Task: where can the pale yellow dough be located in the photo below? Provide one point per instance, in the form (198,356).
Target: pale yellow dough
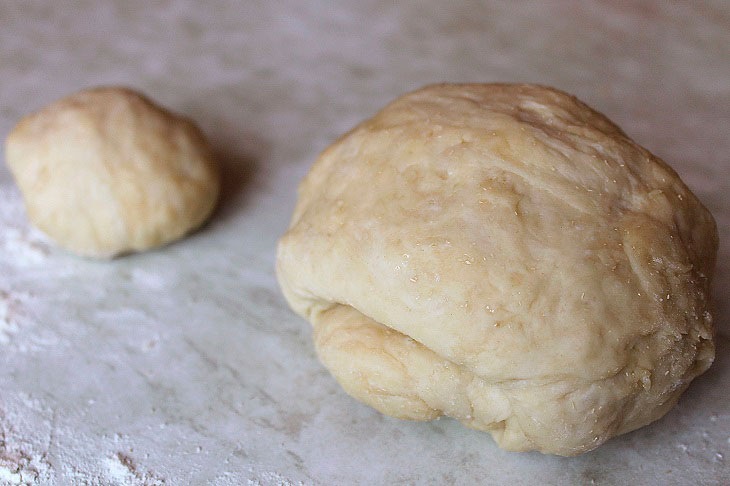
(504,255)
(106,171)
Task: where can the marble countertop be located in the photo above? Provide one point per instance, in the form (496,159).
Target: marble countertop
(184,365)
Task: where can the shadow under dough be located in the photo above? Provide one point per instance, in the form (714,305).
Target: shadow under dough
(237,173)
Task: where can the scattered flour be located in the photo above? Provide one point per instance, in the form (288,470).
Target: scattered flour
(20,462)
(25,247)
(8,326)
(14,318)
(22,243)
(117,469)
(121,470)
(27,456)
(270,478)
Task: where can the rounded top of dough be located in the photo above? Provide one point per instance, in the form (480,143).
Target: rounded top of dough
(106,171)
(521,237)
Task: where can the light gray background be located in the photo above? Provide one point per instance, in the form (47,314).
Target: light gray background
(184,365)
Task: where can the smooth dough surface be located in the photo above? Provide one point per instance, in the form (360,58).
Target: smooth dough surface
(106,171)
(507,256)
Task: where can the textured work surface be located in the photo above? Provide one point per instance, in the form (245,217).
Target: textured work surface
(184,365)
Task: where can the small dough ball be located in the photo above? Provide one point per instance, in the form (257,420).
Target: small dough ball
(507,256)
(106,171)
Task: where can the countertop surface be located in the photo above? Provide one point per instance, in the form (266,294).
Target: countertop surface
(184,365)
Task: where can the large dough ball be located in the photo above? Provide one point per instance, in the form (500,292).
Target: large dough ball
(106,171)
(503,255)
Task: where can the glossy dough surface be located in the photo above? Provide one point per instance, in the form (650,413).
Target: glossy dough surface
(503,255)
(106,171)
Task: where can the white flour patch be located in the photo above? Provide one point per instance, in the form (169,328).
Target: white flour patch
(118,469)
(8,326)
(26,459)
(20,461)
(21,243)
(24,247)
(271,478)
(122,470)
(16,323)
(12,317)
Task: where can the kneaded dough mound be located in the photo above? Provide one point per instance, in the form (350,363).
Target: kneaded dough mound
(106,171)
(503,255)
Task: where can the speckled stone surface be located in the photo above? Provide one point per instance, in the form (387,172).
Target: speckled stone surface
(184,365)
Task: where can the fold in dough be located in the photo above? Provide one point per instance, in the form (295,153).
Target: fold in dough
(503,255)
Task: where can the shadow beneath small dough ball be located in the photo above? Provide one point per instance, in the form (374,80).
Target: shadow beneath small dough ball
(237,174)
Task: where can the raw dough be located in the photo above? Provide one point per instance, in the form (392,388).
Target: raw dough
(106,171)
(504,255)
